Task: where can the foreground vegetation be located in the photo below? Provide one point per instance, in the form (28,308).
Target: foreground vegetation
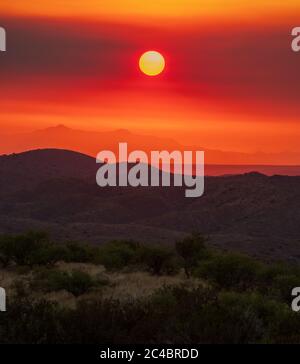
(233,298)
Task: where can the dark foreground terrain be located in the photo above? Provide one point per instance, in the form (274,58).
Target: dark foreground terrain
(127,292)
(55,191)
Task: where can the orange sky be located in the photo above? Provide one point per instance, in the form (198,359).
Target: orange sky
(137,10)
(231,82)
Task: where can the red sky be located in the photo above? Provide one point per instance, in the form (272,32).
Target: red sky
(231,82)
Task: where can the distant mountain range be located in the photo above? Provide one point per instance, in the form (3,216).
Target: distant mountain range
(55,190)
(91,143)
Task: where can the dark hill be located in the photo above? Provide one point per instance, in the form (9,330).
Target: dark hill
(28,169)
(55,190)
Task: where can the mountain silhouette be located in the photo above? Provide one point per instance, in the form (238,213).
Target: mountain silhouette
(91,143)
(56,191)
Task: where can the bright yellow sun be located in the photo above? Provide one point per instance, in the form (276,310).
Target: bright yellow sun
(152,63)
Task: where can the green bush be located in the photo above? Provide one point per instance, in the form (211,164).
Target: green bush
(243,300)
(33,248)
(230,271)
(159,260)
(116,255)
(76,282)
(80,253)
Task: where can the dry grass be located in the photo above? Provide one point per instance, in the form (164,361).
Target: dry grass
(141,284)
(9,276)
(121,285)
(92,269)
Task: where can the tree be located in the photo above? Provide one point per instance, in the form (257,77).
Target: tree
(191,250)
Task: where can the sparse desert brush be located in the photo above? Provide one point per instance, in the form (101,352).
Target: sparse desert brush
(76,282)
(80,253)
(33,248)
(230,271)
(118,255)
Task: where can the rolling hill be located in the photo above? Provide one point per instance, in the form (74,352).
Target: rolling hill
(56,191)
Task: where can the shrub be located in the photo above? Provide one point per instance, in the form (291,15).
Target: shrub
(159,260)
(29,249)
(230,271)
(118,254)
(76,282)
(32,322)
(33,248)
(79,283)
(79,253)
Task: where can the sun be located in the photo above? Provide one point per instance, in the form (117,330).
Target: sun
(152,63)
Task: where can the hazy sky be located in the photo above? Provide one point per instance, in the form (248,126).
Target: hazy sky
(231,82)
